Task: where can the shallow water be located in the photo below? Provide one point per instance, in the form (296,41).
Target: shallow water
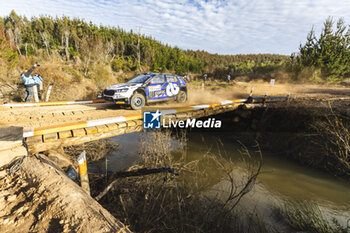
(279,176)
(126,154)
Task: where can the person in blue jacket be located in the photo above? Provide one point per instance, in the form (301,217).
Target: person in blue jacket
(29,82)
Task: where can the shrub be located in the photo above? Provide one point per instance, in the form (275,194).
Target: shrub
(102,76)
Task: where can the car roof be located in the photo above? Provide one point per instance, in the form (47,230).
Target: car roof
(152,73)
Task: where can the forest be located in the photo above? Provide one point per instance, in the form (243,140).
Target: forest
(77,41)
(98,53)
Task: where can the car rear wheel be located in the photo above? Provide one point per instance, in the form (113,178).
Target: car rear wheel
(181,97)
(137,101)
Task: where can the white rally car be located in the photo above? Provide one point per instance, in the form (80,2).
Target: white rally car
(147,88)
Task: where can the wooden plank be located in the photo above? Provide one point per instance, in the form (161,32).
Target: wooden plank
(130,123)
(102,128)
(39,147)
(60,128)
(133,129)
(78,132)
(50,137)
(121,124)
(184,109)
(65,134)
(34,139)
(198,113)
(112,126)
(135,116)
(139,122)
(91,130)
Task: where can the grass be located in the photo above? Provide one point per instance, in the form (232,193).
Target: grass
(306,216)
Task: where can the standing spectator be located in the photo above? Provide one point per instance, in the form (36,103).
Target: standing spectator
(228,78)
(29,82)
(205,77)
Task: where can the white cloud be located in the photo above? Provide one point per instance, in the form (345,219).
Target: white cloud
(218,26)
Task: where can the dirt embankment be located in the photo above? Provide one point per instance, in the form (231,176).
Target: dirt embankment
(41,198)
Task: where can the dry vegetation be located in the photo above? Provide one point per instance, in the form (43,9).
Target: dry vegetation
(334,138)
(305,216)
(95,150)
(69,82)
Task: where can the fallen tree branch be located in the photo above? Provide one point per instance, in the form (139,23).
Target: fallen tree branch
(138,172)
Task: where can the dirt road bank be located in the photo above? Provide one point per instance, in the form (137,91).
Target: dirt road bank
(41,198)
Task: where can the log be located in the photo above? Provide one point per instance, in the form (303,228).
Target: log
(138,172)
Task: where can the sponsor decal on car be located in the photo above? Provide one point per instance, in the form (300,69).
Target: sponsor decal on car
(154,87)
(172,89)
(159,93)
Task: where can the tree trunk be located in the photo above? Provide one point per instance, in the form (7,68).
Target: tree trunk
(46,40)
(26,48)
(139,53)
(66,34)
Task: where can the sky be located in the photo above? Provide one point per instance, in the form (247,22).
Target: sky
(217,26)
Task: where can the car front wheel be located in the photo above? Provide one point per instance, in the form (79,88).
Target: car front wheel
(137,101)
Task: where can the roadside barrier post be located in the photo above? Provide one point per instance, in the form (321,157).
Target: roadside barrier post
(251,92)
(35,90)
(250,97)
(265,98)
(84,178)
(41,93)
(48,93)
(288,96)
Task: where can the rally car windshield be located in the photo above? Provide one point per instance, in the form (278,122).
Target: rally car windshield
(139,79)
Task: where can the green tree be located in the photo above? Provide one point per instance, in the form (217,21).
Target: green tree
(330,52)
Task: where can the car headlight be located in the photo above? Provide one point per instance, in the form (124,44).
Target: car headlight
(121,90)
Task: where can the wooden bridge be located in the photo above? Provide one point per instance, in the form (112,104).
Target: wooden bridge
(49,137)
(54,136)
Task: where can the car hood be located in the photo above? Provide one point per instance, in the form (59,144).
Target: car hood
(123,85)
